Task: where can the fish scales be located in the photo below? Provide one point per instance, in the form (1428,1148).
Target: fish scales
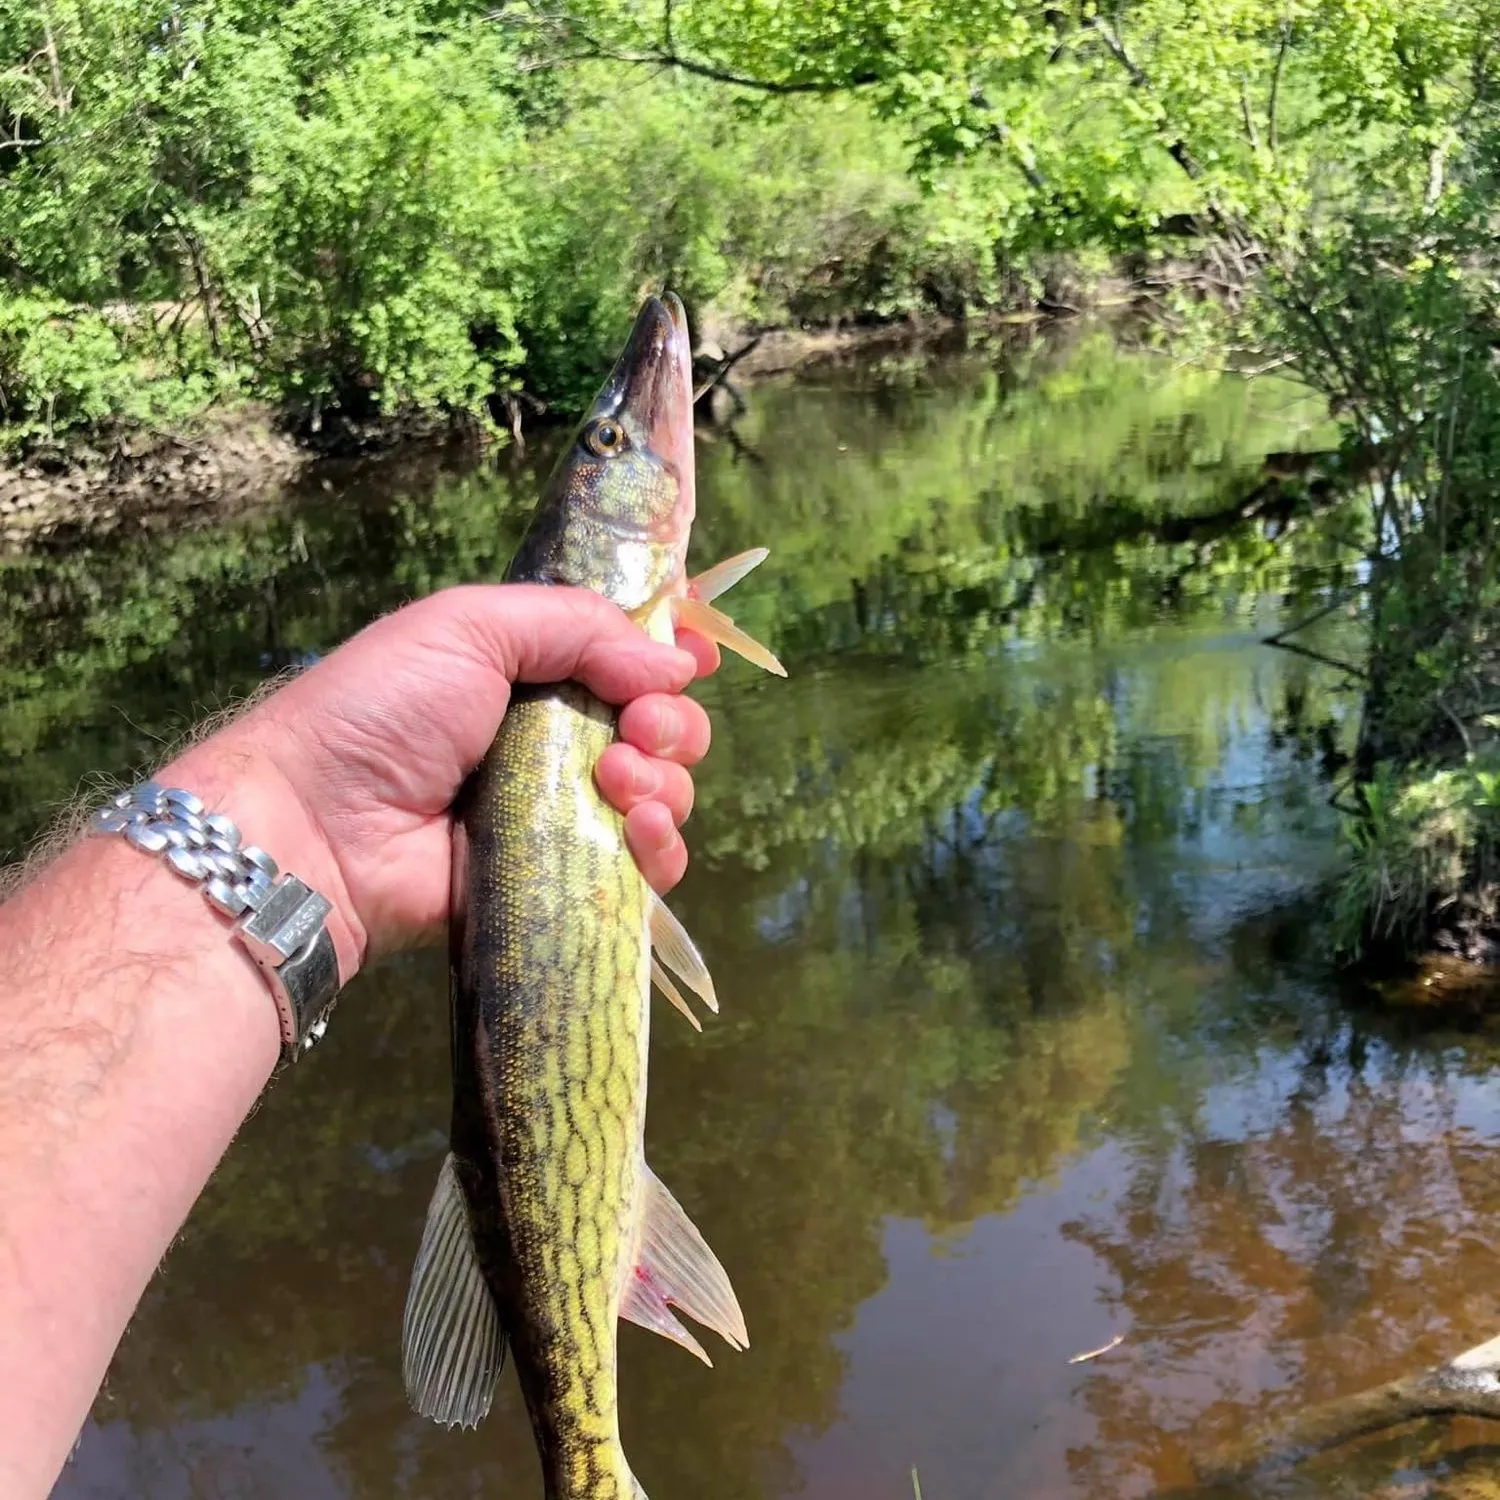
(547,1226)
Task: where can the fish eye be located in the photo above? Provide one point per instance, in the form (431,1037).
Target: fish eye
(604,437)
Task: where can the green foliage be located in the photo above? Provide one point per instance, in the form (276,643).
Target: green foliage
(66,367)
(1393,316)
(1424,850)
(59,366)
(376,249)
(398,206)
(1103,122)
(422,203)
(806,212)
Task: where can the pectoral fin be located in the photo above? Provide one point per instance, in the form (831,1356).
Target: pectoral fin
(714,625)
(675,1268)
(452,1345)
(679,953)
(723,576)
(693,611)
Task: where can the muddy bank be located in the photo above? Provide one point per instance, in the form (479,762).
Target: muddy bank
(227,461)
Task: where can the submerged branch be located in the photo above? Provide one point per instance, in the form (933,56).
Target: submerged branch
(1468,1385)
(1277,637)
(1272,500)
(1320,657)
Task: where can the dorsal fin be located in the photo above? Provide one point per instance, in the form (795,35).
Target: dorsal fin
(675,1268)
(452,1346)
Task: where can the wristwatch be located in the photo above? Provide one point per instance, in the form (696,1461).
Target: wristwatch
(280,920)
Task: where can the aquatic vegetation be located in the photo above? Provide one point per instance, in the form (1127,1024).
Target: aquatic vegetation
(1423,859)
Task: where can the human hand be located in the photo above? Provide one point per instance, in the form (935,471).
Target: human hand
(347,773)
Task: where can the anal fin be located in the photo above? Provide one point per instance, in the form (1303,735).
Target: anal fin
(452,1345)
(675,1268)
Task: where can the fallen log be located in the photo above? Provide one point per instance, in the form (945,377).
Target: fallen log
(1467,1385)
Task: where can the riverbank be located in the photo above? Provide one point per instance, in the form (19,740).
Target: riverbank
(211,469)
(227,458)
(242,456)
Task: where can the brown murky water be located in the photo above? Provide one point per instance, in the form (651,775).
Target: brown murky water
(1011,897)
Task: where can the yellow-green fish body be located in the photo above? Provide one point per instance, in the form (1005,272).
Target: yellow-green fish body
(554,1021)
(547,1226)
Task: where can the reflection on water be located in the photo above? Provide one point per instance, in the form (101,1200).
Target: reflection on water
(1023,1041)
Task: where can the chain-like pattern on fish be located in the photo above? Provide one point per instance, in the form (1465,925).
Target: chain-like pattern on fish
(561,960)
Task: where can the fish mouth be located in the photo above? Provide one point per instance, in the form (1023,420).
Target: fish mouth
(652,390)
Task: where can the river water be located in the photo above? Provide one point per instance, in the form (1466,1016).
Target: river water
(1011,894)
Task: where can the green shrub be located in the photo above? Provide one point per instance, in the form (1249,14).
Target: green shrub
(60,367)
(805,211)
(373,258)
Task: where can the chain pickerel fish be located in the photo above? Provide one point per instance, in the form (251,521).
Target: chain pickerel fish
(547,1226)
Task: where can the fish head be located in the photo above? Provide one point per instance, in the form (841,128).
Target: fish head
(618,508)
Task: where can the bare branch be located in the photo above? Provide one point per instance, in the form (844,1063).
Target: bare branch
(719,374)
(1251,134)
(742,80)
(1357,673)
(1273,103)
(1436,161)
(1463,734)
(1002,135)
(62,99)
(1281,635)
(1176,148)
(587,49)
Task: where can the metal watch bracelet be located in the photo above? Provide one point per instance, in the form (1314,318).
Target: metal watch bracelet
(281,921)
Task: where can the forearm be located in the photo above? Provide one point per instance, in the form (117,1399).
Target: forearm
(135,1036)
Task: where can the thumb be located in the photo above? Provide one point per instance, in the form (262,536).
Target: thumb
(529,632)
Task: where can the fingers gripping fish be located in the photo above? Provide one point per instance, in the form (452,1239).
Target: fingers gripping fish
(547,1226)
